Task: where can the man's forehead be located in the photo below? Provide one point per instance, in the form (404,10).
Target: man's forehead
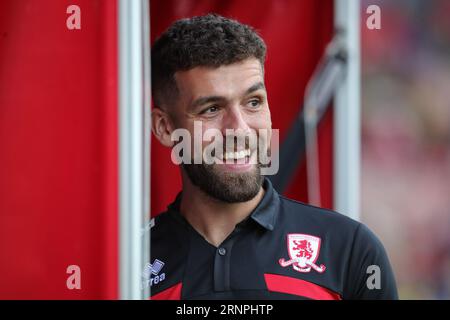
(225,80)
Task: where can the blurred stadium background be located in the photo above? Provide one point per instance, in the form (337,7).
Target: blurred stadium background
(405,101)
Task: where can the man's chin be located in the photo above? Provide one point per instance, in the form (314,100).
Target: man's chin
(225,184)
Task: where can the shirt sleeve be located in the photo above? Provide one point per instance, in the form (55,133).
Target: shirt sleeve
(370,275)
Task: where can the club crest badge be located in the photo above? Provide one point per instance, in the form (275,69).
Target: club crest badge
(303,251)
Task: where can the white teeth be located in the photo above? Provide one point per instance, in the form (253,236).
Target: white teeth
(236,155)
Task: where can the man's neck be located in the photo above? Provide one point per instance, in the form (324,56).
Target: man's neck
(214,219)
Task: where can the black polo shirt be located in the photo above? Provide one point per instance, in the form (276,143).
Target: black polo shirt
(284,250)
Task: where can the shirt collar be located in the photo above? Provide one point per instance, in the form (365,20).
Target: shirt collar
(265,213)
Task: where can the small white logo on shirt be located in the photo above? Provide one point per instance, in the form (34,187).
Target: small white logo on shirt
(153,269)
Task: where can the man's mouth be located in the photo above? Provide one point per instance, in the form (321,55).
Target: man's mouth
(238,161)
(238,156)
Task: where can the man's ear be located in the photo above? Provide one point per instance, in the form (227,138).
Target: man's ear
(162,126)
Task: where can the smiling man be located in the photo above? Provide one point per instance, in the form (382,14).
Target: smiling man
(229,234)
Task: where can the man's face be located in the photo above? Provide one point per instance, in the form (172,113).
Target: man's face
(228,97)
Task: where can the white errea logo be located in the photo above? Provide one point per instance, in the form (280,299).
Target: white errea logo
(153,269)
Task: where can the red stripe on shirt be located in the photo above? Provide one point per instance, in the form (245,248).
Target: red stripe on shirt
(172,293)
(298,287)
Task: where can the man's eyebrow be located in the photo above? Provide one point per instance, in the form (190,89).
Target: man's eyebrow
(256,86)
(208,99)
(204,100)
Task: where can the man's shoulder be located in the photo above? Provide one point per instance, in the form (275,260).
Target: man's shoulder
(298,212)
(168,235)
(161,222)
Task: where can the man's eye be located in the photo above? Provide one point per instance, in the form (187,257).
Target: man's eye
(254,103)
(211,109)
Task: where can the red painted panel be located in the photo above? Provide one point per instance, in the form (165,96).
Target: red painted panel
(58,149)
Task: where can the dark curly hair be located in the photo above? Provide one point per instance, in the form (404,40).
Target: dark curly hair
(209,40)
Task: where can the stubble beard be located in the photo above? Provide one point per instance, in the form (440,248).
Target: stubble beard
(225,186)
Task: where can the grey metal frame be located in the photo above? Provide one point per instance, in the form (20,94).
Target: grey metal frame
(134,146)
(347,113)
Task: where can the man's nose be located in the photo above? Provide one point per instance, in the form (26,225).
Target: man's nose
(235,120)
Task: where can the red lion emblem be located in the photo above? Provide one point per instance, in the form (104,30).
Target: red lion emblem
(304,249)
